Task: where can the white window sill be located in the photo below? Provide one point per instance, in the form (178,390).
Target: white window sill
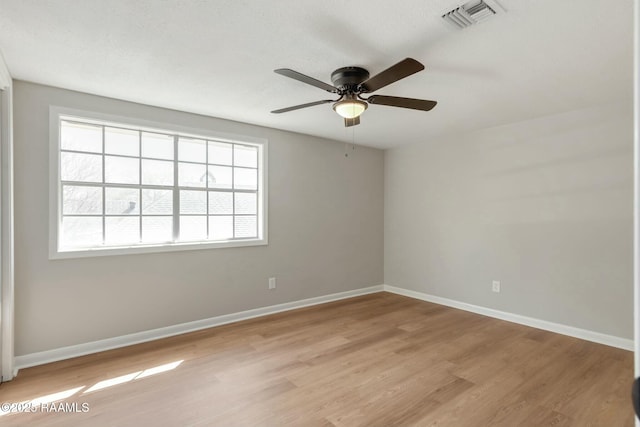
(144,249)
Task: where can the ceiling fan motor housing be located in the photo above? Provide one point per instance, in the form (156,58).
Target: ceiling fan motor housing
(348,78)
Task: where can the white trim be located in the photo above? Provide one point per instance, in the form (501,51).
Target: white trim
(145,249)
(5,76)
(56,112)
(558,328)
(7,371)
(48,356)
(636,189)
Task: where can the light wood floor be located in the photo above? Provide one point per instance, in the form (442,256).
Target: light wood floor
(376,360)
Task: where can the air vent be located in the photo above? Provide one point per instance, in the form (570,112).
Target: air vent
(470,14)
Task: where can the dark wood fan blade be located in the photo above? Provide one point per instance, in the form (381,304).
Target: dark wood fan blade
(306,79)
(351,122)
(402,69)
(297,107)
(395,101)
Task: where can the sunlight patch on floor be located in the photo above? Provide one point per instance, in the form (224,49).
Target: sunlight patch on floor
(133,376)
(49,398)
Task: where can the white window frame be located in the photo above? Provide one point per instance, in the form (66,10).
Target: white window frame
(57,113)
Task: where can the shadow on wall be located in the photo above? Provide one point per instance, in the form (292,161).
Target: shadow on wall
(567,168)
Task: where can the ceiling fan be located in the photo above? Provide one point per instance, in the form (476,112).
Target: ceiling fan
(351,82)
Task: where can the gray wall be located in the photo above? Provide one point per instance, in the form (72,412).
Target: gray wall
(545,206)
(325,236)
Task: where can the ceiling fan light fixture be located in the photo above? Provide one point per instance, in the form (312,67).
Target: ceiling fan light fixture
(350,108)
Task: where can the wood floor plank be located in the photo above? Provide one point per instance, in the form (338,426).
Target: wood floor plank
(374,360)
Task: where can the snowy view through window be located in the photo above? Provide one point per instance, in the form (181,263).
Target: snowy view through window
(121,186)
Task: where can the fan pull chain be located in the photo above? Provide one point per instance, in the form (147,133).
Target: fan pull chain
(353,142)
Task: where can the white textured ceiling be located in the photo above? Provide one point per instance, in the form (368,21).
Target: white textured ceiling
(217,58)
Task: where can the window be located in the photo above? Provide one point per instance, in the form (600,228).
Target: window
(122,186)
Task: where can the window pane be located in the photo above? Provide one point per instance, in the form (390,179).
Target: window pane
(122,230)
(81,200)
(157,146)
(219,177)
(220,153)
(81,231)
(157,202)
(193,228)
(190,175)
(220,203)
(80,137)
(245,179)
(220,227)
(121,170)
(193,202)
(121,186)
(245,156)
(80,167)
(246,203)
(192,150)
(246,226)
(157,172)
(121,141)
(157,229)
(122,201)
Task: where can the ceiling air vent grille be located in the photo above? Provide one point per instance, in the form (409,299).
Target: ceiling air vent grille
(469,14)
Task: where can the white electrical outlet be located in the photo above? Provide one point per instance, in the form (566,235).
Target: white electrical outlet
(272,282)
(495,286)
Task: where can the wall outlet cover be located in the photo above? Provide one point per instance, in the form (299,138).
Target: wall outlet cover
(495,286)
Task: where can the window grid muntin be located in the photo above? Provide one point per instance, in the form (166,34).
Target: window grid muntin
(176,188)
(175,215)
(104,179)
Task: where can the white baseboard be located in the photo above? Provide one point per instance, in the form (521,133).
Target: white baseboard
(571,331)
(48,356)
